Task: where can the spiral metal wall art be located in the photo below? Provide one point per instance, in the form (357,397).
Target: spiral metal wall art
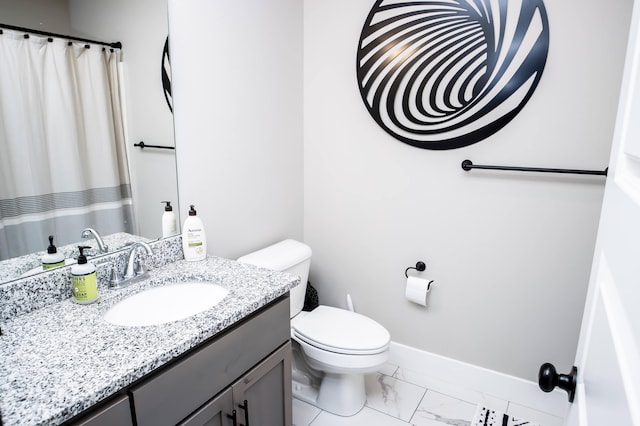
(444,74)
(166,75)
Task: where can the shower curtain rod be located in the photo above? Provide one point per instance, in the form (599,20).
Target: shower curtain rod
(116,45)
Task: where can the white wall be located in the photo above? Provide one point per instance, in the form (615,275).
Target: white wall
(43,15)
(141,26)
(237,75)
(510,253)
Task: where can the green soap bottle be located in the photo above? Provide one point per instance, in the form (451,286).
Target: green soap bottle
(84,280)
(52,259)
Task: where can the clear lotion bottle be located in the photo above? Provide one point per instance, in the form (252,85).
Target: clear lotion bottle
(84,281)
(194,240)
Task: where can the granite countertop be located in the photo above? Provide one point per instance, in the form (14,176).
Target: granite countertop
(61,359)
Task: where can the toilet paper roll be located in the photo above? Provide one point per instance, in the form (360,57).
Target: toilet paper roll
(417,290)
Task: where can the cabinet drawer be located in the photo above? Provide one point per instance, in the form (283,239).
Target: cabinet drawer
(116,412)
(173,394)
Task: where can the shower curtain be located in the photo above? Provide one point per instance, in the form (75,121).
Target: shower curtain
(63,164)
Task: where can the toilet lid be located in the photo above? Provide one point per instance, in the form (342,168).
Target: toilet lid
(341,331)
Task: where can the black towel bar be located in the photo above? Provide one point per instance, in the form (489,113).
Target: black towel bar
(143,145)
(468,165)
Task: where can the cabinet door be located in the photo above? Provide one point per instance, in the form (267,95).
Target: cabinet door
(263,396)
(217,412)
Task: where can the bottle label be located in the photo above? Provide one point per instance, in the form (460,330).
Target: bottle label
(85,287)
(46,266)
(194,240)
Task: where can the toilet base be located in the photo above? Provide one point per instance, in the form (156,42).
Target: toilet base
(340,394)
(344,394)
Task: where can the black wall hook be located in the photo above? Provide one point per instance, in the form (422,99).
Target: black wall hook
(420,266)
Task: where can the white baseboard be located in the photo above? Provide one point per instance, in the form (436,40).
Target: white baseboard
(495,384)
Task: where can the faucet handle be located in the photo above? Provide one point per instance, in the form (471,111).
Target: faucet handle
(139,268)
(115,281)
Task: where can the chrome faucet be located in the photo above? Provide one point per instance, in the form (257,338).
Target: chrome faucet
(88,232)
(134,268)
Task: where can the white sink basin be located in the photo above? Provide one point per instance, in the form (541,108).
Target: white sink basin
(164,304)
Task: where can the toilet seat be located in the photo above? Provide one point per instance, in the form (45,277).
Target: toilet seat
(340,331)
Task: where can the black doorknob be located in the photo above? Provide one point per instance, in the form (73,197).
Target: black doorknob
(548,379)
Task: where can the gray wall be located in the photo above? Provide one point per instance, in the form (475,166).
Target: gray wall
(237,75)
(510,253)
(43,15)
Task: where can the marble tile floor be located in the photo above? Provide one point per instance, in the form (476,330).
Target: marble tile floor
(398,397)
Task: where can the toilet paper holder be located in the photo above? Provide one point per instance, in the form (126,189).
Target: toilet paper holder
(417,289)
(420,266)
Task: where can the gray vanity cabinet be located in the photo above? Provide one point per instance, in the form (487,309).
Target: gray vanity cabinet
(262,397)
(251,360)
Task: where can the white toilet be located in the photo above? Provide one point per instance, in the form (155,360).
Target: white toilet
(332,348)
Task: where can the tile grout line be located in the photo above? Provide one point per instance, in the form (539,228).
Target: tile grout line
(316,417)
(424,394)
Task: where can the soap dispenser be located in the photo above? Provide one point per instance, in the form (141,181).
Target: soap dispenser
(52,259)
(84,281)
(194,240)
(168,221)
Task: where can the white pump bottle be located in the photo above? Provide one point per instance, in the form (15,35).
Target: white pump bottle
(194,240)
(169,223)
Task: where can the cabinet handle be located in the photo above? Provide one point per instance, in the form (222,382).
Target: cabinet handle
(245,407)
(233,417)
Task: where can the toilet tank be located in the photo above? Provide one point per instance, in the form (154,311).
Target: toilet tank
(289,256)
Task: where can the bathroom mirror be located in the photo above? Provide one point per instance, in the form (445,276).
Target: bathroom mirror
(141,26)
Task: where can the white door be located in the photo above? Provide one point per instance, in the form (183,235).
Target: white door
(608,359)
